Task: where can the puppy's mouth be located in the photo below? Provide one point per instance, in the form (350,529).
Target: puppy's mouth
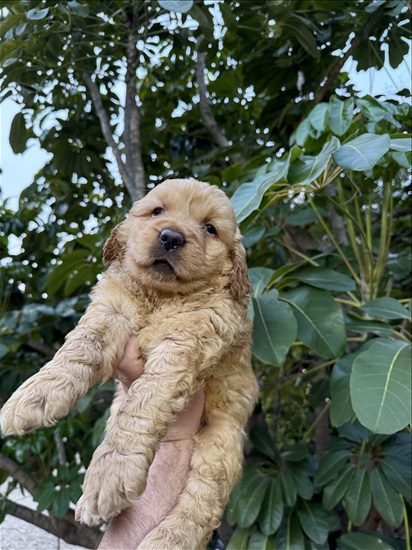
(163,266)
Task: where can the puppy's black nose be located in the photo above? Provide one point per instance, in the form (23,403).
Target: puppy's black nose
(170,239)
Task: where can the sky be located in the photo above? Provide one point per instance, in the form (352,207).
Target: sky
(18,170)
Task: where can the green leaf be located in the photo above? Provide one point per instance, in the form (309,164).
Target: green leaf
(314,521)
(262,441)
(18,134)
(325,278)
(336,489)
(361,541)
(290,536)
(369,327)
(319,116)
(252,493)
(380,386)
(386,308)
(259,541)
(253,235)
(341,409)
(304,36)
(304,216)
(387,501)
(404,145)
(358,497)
(288,487)
(239,539)
(35,14)
(307,168)
(300,472)
(247,197)
(331,466)
(363,152)
(341,113)
(10,21)
(82,10)
(259,278)
(181,6)
(397,475)
(274,330)
(320,320)
(271,513)
(61,501)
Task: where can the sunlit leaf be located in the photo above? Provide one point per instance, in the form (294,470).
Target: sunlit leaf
(380,386)
(363,152)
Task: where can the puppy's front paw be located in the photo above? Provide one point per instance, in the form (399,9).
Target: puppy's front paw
(40,401)
(113,482)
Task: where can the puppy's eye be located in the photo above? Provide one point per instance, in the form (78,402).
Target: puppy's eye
(210,229)
(157,211)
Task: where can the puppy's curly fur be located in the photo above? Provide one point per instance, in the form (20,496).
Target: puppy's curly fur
(177,280)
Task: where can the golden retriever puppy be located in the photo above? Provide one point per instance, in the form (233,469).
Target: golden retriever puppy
(178,281)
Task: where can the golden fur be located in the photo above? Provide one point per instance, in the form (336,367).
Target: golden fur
(188,308)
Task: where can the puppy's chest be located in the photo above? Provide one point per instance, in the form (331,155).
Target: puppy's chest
(155,322)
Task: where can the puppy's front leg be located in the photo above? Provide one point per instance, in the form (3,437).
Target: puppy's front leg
(118,472)
(88,356)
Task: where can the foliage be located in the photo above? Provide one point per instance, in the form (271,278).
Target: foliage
(320,181)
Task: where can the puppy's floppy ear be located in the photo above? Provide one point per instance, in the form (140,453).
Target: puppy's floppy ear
(239,278)
(115,245)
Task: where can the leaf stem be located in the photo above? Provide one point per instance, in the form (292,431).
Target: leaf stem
(306,435)
(309,371)
(338,248)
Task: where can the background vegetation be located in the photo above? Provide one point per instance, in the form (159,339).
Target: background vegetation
(250,97)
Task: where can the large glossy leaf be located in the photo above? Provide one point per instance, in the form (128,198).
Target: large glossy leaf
(386,308)
(290,536)
(366,326)
(320,320)
(181,6)
(247,197)
(271,513)
(18,134)
(307,168)
(260,277)
(358,497)
(319,116)
(363,152)
(239,539)
(314,521)
(341,409)
(325,278)
(387,501)
(330,466)
(336,489)
(404,145)
(260,437)
(288,486)
(259,541)
(274,329)
(253,489)
(380,386)
(362,541)
(398,476)
(341,113)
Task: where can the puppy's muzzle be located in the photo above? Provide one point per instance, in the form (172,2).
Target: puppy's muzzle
(170,239)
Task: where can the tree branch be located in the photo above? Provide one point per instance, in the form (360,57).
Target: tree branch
(16,471)
(106,130)
(132,141)
(334,72)
(207,115)
(69,532)
(41,347)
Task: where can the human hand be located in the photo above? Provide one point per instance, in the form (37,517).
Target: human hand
(131,367)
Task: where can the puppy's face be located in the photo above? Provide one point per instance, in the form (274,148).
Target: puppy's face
(180,237)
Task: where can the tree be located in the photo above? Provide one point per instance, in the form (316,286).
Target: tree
(250,98)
